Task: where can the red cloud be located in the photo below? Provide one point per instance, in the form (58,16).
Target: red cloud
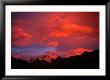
(59,34)
(18,33)
(20,37)
(69,29)
(52,44)
(56,28)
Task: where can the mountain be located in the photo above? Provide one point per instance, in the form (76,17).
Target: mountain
(80,51)
(87,60)
(53,54)
(48,56)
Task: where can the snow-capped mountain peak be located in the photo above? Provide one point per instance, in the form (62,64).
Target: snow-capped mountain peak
(48,56)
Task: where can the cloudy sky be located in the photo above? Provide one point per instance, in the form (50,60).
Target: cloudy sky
(37,32)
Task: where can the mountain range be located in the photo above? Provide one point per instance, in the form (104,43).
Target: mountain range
(53,54)
(48,56)
(80,58)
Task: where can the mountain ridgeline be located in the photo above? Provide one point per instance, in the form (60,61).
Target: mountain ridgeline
(85,60)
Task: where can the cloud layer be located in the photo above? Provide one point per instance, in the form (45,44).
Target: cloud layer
(61,30)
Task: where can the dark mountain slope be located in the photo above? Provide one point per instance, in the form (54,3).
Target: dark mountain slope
(88,60)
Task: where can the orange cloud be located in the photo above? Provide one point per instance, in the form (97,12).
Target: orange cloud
(76,28)
(69,29)
(59,34)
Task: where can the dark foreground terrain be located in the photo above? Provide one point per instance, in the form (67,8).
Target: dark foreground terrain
(88,60)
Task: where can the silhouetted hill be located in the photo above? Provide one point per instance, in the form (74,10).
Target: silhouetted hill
(18,63)
(88,60)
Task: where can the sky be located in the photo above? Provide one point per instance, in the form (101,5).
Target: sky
(34,33)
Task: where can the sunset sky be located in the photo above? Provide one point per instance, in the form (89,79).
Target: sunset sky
(34,33)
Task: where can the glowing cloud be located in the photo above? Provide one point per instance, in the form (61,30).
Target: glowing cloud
(52,44)
(59,30)
(20,37)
